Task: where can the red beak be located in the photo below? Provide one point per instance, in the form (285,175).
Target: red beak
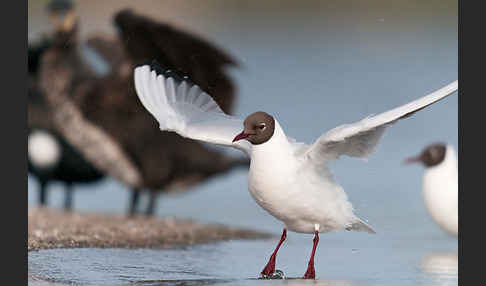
(240,136)
(412,160)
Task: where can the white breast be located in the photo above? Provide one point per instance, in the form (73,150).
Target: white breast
(440,190)
(272,172)
(292,191)
(43,149)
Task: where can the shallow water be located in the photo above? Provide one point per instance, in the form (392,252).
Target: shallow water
(239,262)
(313,67)
(408,249)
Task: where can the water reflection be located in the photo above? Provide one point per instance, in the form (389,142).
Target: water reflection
(443,266)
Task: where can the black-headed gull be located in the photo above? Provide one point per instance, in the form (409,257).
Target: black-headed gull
(440,184)
(288,179)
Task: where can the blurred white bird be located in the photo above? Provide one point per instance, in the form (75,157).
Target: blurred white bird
(440,188)
(288,179)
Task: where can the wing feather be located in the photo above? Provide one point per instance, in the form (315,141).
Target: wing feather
(360,139)
(184,108)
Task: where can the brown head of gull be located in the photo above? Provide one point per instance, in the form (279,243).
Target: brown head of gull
(431,156)
(258,128)
(440,184)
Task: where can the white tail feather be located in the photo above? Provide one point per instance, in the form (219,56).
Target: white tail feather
(361,226)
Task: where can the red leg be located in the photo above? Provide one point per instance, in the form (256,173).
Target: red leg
(270,268)
(311,272)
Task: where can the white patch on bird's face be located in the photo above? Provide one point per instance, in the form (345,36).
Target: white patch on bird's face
(43,149)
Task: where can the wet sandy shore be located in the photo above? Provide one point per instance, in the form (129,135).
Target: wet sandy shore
(49,228)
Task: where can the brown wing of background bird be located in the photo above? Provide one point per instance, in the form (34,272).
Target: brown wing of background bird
(112,104)
(188,54)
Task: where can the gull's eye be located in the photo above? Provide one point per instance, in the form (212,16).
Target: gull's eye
(262,126)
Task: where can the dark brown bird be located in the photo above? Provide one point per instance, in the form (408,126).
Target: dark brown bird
(50,156)
(102,117)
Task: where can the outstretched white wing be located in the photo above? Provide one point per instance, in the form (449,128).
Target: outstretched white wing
(182,107)
(359,139)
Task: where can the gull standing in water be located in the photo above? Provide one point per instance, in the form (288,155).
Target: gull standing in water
(440,184)
(289,179)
